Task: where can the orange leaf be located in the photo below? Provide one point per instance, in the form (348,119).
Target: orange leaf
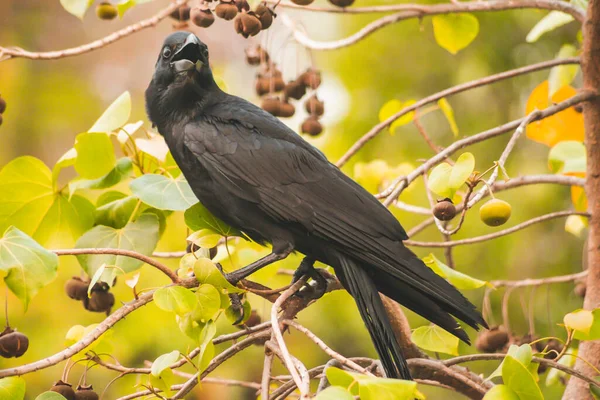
(566,125)
(578,198)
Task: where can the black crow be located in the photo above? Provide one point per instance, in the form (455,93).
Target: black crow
(259,176)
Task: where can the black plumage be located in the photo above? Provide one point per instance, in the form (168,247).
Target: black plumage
(256,174)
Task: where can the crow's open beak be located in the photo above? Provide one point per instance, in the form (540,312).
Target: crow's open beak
(187,57)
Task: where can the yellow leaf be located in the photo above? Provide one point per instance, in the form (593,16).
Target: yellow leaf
(449,114)
(576,224)
(377,174)
(565,125)
(578,198)
(580,320)
(454,32)
(391,108)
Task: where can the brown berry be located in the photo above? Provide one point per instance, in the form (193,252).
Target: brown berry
(278,83)
(86,393)
(76,288)
(2,105)
(271,105)
(100,301)
(106,11)
(314,106)
(580,289)
(444,210)
(226,10)
(13,343)
(181,14)
(263,85)
(266,15)
(311,78)
(311,126)
(247,24)
(341,3)
(256,54)
(294,90)
(64,389)
(242,5)
(253,320)
(493,340)
(286,110)
(202,16)
(302,2)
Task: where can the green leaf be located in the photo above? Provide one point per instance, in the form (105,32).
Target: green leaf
(49,396)
(209,303)
(454,32)
(334,393)
(563,75)
(117,212)
(207,273)
(140,235)
(339,377)
(579,320)
(95,155)
(164,361)
(207,348)
(550,22)
(393,107)
(115,116)
(522,353)
(501,392)
(163,193)
(567,157)
(446,108)
(28,266)
(593,333)
(175,299)
(205,238)
(100,345)
(233,313)
(373,388)
(444,180)
(434,338)
(155,147)
(197,217)
(76,7)
(66,160)
(576,224)
(28,201)
(163,381)
(456,278)
(124,5)
(518,378)
(462,170)
(121,171)
(567,360)
(12,388)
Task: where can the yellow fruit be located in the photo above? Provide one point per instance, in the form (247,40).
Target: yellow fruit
(495,212)
(106,10)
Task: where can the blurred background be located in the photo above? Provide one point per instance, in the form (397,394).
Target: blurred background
(50,102)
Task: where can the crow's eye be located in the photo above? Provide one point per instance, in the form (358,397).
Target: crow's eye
(166,52)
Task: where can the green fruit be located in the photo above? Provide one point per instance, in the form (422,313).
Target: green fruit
(106,11)
(495,212)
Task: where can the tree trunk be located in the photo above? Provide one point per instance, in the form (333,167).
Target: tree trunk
(590,64)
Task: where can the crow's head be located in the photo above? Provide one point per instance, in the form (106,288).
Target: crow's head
(182,79)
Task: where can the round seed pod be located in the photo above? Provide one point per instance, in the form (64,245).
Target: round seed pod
(86,393)
(495,212)
(242,5)
(2,105)
(76,288)
(13,343)
(64,389)
(106,11)
(271,105)
(294,90)
(265,15)
(262,86)
(311,126)
(314,106)
(302,2)
(286,109)
(181,14)
(253,320)
(444,210)
(278,83)
(100,301)
(493,340)
(311,78)
(247,24)
(256,54)
(202,16)
(581,289)
(226,10)
(341,3)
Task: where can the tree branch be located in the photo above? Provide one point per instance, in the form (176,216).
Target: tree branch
(540,281)
(448,92)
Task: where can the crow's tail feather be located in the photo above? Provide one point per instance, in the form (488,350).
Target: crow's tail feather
(360,285)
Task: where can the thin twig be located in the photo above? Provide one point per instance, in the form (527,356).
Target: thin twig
(540,281)
(265,382)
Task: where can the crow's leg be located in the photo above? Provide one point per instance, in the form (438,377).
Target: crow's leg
(236,276)
(307,267)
